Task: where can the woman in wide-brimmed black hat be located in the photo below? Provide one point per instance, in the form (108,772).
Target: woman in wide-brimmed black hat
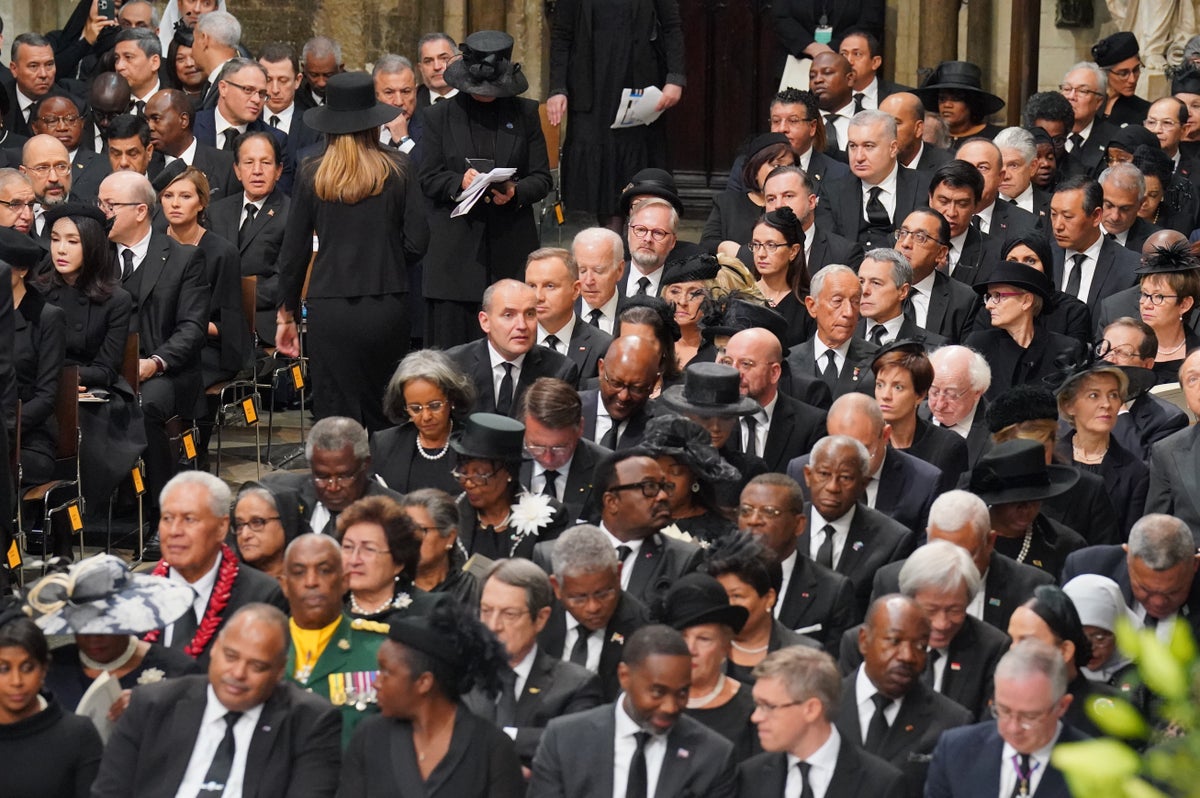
(955,91)
(363,204)
(1017,349)
(497,517)
(684,449)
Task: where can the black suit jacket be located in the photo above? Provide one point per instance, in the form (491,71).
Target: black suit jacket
(587,345)
(1010,221)
(250,586)
(577,497)
(554,688)
(967,761)
(979,437)
(931,158)
(941,448)
(1125,303)
(874,540)
(635,425)
(1111,561)
(795,429)
(301,482)
(819,603)
(909,331)
(845,196)
(88,169)
(912,735)
(1114,272)
(576,759)
(857,773)
(1175,479)
(1148,421)
(1088,159)
(259,249)
(205,131)
(539,361)
(979,254)
(856,372)
(829,247)
(295,750)
(629,616)
(660,561)
(951,308)
(217,166)
(1138,233)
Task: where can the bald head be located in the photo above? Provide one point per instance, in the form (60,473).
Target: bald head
(757,355)
(909,113)
(857,416)
(631,364)
(1161,239)
(108,96)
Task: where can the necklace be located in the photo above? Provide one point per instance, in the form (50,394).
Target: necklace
(746,650)
(116,664)
(1083,454)
(774,297)
(421,450)
(1162,350)
(397,602)
(1025,544)
(495,527)
(705,700)
(212,620)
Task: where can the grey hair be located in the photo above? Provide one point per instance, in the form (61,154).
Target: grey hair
(1125,176)
(222,27)
(658,202)
(954,507)
(872,117)
(334,433)
(1019,139)
(8,176)
(1094,68)
(258,492)
(391,64)
(220,497)
(436,36)
(321,47)
(583,549)
(146,40)
(442,509)
(805,673)
(236,65)
(1161,541)
(902,272)
(522,573)
(939,565)
(818,280)
(1032,657)
(979,372)
(602,235)
(435,366)
(829,442)
(154,17)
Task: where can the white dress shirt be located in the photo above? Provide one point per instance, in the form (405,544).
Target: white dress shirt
(956,249)
(563,334)
(963,427)
(435,98)
(1092,254)
(212,732)
(841,530)
(788,564)
(221,124)
(498,361)
(975,608)
(608,313)
(763,418)
(1039,760)
(595,643)
(202,589)
(842,123)
(187,156)
(939,667)
(624,747)
(822,764)
(887,196)
(635,547)
(1024,199)
(284,116)
(1085,134)
(872,490)
(919,296)
(985,218)
(839,354)
(145,98)
(256,203)
(635,274)
(864,690)
(891,328)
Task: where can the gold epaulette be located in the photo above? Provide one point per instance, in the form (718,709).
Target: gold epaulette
(363,625)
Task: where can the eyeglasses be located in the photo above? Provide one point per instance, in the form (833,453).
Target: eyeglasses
(477,479)
(427,530)
(764,707)
(996,297)
(19,205)
(336,480)
(1106,351)
(1165,124)
(366,550)
(1100,638)
(109,207)
(948,394)
(257,524)
(636,391)
(581,599)
(55,121)
(1125,74)
(920,236)
(649,487)
(41,170)
(1084,90)
(748,510)
(641,231)
(1026,720)
(435,406)
(1156,299)
(249,91)
(557,450)
(507,616)
(768,246)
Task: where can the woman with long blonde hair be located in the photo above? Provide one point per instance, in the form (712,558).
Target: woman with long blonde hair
(357,216)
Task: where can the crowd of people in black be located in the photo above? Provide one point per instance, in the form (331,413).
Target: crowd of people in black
(849,497)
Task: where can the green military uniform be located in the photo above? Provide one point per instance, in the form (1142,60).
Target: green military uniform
(345,671)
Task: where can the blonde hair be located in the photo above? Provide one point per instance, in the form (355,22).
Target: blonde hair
(1042,430)
(198,180)
(353,168)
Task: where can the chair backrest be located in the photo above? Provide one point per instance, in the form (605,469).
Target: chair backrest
(129,362)
(553,135)
(66,412)
(249,300)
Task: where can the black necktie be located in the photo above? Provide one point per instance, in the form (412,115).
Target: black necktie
(506,703)
(858,101)
(878,727)
(594,318)
(551,342)
(505,400)
(806,790)
(876,335)
(623,553)
(877,215)
(141,108)
(929,676)
(231,135)
(977,222)
(274,120)
(1012,201)
(251,211)
(1111,236)
(1076,141)
(637,785)
(222,761)
(829,374)
(1075,275)
(1024,776)
(751,447)
(579,651)
(643,286)
(126,263)
(831,138)
(395,143)
(184,629)
(609,441)
(825,553)
(549,488)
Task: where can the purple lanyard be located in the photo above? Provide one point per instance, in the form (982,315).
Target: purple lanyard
(1024,777)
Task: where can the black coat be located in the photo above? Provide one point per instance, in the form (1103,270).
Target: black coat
(951,308)
(468,253)
(1112,561)
(587,345)
(39,343)
(95,333)
(1012,365)
(856,773)
(874,541)
(941,448)
(732,218)
(795,429)
(819,603)
(393,453)
(1126,480)
(829,247)
(1148,421)
(259,249)
(629,616)
(474,361)
(1174,479)
(979,437)
(233,346)
(1088,159)
(967,763)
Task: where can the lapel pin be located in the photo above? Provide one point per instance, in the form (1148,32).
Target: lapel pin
(271,212)
(995,602)
(266,728)
(617,638)
(858,545)
(908,728)
(344,644)
(508,125)
(803,595)
(683,753)
(955,666)
(534,690)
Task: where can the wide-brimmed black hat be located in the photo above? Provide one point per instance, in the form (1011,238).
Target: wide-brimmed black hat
(738,315)
(19,250)
(690,444)
(906,345)
(1067,380)
(350,106)
(85,209)
(1114,49)
(700,266)
(1010,272)
(958,76)
(490,436)
(1131,137)
(709,389)
(654,182)
(1016,471)
(1169,260)
(486,68)
(1186,80)
(696,599)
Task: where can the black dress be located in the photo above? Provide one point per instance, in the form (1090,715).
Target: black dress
(39,331)
(731,720)
(67,682)
(800,325)
(53,754)
(732,218)
(394,457)
(1049,544)
(1167,371)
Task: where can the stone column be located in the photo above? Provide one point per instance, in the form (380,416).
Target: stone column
(938,32)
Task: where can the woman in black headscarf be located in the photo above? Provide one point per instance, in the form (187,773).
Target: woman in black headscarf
(265,520)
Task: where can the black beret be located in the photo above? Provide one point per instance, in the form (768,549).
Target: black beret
(1021,403)
(1114,49)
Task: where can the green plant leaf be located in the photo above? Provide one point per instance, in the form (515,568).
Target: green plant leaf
(1096,768)
(1161,671)
(1140,788)
(1116,716)
(1183,643)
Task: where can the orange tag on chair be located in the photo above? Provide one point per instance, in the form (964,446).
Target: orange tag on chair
(189,446)
(139,487)
(249,410)
(75,516)
(297,377)
(14,556)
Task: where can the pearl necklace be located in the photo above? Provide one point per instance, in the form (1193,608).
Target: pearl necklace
(696,703)
(1025,544)
(746,650)
(421,451)
(392,603)
(116,664)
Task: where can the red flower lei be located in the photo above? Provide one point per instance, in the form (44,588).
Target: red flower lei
(217,603)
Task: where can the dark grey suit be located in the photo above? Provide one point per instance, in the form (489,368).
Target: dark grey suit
(845,207)
(1175,479)
(856,773)
(473,358)
(1111,561)
(634,427)
(829,247)
(629,616)
(587,345)
(88,169)
(855,374)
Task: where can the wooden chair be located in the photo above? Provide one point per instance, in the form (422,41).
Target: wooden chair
(239,399)
(551,204)
(129,370)
(64,492)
